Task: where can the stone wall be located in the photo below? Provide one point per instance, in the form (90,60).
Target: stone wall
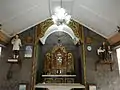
(103,77)
(20,75)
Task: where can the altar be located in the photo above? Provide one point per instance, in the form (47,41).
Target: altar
(59,78)
(59,86)
(59,66)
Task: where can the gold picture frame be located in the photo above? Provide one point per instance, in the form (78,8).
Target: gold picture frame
(28,51)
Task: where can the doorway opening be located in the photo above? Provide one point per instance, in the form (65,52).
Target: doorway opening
(118,57)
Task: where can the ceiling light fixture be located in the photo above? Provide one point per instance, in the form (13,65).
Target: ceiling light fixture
(61,17)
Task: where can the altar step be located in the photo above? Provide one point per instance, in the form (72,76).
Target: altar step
(60,86)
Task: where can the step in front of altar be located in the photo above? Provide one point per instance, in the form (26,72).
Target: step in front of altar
(59,86)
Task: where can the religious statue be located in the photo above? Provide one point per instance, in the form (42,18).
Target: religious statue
(47,64)
(100,53)
(104,52)
(16,41)
(104,48)
(70,67)
(109,53)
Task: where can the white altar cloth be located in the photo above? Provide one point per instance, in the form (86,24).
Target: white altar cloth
(58,75)
(59,86)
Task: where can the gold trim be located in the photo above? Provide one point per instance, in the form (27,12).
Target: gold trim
(33,73)
(75,26)
(84,57)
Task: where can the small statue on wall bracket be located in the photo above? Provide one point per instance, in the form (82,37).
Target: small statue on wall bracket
(16,41)
(105,56)
(104,52)
(109,53)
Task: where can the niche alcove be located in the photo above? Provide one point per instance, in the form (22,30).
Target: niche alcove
(59,58)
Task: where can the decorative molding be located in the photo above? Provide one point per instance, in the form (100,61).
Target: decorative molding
(44,26)
(75,26)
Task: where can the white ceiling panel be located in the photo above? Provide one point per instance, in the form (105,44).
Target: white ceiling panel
(26,20)
(102,16)
(24,17)
(53,4)
(68,5)
(94,21)
(12,8)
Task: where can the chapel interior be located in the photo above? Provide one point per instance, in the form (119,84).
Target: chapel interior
(61,45)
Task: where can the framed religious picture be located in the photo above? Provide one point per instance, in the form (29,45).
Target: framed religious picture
(23,86)
(28,51)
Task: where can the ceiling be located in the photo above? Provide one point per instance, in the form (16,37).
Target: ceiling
(101,16)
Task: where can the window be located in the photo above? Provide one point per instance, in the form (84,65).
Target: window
(118,57)
(0,50)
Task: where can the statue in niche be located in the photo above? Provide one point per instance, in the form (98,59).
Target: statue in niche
(59,58)
(47,68)
(59,62)
(70,67)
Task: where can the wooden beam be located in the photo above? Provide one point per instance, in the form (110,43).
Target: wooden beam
(114,39)
(4,37)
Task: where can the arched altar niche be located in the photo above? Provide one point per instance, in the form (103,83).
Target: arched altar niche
(74,29)
(62,28)
(46,74)
(59,61)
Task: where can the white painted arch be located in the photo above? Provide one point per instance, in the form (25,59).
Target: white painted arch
(55,28)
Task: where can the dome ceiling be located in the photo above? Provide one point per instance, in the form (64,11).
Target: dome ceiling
(101,16)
